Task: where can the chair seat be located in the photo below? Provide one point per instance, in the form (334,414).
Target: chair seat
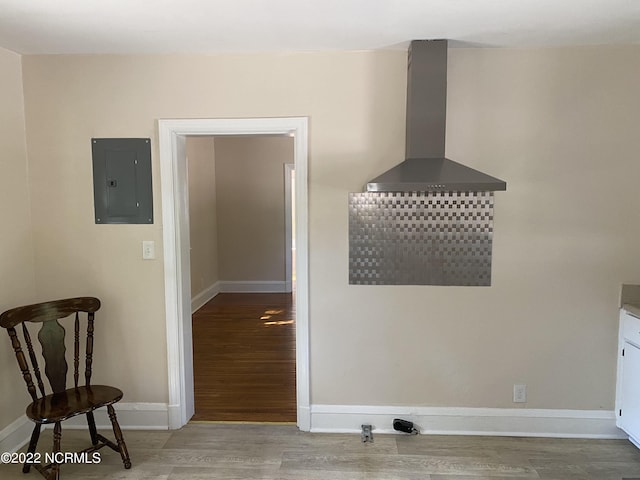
(73,401)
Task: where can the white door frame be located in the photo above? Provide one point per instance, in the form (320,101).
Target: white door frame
(288,237)
(175,219)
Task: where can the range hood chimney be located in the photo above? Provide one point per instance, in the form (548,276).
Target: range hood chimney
(426,169)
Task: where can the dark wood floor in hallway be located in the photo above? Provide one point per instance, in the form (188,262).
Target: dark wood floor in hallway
(244,358)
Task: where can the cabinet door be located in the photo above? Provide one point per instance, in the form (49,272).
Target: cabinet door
(630,420)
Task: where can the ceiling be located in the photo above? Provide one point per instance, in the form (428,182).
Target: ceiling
(214,26)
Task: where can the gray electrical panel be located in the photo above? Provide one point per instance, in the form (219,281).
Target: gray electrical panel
(122,189)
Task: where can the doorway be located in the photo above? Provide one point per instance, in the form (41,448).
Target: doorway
(241,250)
(172,135)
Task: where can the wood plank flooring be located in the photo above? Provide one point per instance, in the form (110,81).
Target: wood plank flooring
(244,358)
(277,452)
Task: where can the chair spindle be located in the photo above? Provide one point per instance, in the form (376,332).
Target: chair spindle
(89,350)
(76,351)
(22,363)
(34,359)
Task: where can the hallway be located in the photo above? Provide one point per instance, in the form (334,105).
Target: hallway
(244,358)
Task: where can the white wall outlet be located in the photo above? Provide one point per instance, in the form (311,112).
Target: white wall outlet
(148,249)
(519,393)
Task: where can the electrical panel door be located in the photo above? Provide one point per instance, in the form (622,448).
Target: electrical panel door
(122,180)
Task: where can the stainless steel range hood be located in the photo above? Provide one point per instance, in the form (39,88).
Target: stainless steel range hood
(426,169)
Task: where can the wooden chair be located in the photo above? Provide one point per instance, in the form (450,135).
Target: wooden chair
(63,402)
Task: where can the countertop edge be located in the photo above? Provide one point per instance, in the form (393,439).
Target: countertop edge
(632,309)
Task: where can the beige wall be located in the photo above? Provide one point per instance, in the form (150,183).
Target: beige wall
(73,255)
(560,126)
(251,216)
(69,99)
(203,213)
(17,283)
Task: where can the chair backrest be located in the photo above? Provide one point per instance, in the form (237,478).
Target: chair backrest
(51,337)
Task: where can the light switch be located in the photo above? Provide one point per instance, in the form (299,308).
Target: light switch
(148,249)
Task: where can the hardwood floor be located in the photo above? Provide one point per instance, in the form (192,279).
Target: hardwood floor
(244,358)
(277,452)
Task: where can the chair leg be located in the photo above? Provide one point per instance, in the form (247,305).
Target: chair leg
(92,429)
(32,446)
(124,453)
(54,474)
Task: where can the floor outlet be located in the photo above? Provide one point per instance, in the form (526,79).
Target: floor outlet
(519,393)
(367,433)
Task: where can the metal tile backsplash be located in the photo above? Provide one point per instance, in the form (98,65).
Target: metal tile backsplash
(416,238)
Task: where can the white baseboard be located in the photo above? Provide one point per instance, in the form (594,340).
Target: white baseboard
(469,421)
(131,416)
(16,434)
(204,296)
(227,286)
(258,286)
(350,418)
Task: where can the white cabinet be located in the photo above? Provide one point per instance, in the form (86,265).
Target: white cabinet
(628,379)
